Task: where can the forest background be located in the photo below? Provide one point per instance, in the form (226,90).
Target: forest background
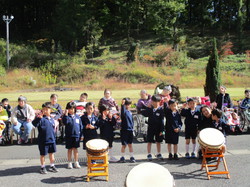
(133,44)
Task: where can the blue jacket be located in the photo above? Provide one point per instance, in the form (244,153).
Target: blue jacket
(127,119)
(155,118)
(106,127)
(222,126)
(172,122)
(73,126)
(89,133)
(245,104)
(45,129)
(56,111)
(191,121)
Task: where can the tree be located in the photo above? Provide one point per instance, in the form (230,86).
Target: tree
(213,77)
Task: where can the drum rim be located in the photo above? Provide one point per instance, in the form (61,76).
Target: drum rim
(209,145)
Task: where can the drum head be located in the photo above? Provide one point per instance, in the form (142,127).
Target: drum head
(211,137)
(148,175)
(97,144)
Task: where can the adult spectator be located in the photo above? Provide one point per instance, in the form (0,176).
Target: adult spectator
(143,101)
(22,116)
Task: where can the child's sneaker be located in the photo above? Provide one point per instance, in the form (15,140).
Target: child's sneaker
(176,157)
(122,159)
(193,155)
(149,157)
(19,141)
(159,156)
(170,156)
(43,171)
(113,159)
(132,159)
(53,169)
(187,155)
(77,165)
(70,165)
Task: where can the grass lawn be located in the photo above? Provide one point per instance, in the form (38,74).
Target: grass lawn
(37,98)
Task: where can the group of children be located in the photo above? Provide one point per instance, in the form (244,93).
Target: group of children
(81,123)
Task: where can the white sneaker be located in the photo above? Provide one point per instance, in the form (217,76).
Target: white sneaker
(19,141)
(77,165)
(70,165)
(113,159)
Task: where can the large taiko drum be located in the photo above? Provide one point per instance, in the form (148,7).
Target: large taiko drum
(97,147)
(148,175)
(211,138)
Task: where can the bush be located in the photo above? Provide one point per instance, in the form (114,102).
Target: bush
(2,71)
(235,67)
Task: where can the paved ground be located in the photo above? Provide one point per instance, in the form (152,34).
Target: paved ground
(19,166)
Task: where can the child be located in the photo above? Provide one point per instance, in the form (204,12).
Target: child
(165,95)
(127,127)
(192,117)
(6,106)
(223,99)
(245,104)
(89,122)
(107,125)
(46,138)
(155,131)
(81,104)
(108,100)
(235,125)
(173,127)
(56,112)
(219,123)
(73,132)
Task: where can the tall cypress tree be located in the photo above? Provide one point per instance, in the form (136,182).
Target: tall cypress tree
(213,77)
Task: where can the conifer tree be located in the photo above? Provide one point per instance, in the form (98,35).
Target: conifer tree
(213,77)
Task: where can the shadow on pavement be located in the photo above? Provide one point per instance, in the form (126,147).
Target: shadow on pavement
(19,171)
(61,180)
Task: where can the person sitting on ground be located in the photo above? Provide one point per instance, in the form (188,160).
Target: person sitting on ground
(165,95)
(143,102)
(22,116)
(46,137)
(235,123)
(223,99)
(81,104)
(6,106)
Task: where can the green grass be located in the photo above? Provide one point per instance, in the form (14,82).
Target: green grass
(37,98)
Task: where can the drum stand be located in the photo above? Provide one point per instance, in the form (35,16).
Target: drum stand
(207,153)
(97,169)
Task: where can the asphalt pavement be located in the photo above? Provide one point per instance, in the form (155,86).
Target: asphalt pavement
(19,166)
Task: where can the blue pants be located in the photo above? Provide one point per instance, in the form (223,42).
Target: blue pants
(27,129)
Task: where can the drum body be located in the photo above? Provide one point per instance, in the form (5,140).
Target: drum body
(148,175)
(97,147)
(211,139)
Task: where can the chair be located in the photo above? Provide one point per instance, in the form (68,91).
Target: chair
(97,169)
(214,153)
(32,134)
